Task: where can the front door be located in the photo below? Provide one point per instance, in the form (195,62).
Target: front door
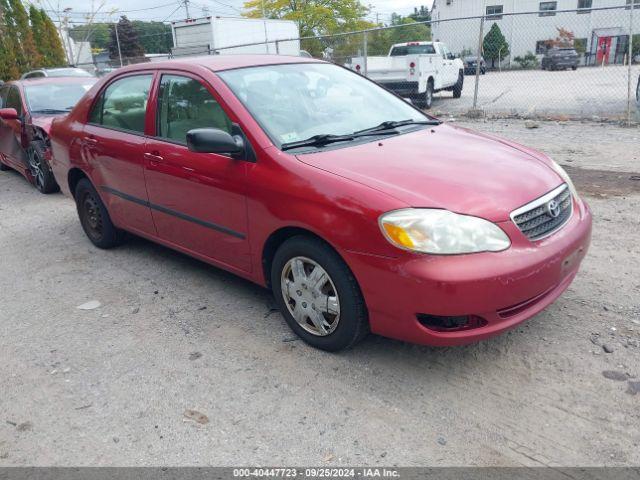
(11,131)
(198,200)
(604,49)
(113,145)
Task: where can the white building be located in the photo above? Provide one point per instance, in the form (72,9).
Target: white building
(602,35)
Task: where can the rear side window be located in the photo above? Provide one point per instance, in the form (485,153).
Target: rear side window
(13,100)
(123,104)
(35,75)
(185,104)
(412,50)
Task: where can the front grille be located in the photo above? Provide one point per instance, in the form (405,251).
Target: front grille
(544,216)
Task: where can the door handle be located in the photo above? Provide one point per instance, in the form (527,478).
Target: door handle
(154,158)
(91,140)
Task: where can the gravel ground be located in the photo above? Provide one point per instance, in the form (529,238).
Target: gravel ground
(583,93)
(111,386)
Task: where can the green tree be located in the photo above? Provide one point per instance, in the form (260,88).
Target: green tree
(98,34)
(130,46)
(315,17)
(421,14)
(155,37)
(8,61)
(495,45)
(528,61)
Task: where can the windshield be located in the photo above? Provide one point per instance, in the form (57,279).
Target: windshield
(52,98)
(405,50)
(295,102)
(68,72)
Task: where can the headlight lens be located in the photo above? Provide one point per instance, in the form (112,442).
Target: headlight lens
(441,232)
(565,176)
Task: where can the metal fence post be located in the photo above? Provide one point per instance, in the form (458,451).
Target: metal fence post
(478,57)
(277,47)
(365,51)
(630,64)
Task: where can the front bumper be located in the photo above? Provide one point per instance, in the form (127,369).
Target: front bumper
(504,288)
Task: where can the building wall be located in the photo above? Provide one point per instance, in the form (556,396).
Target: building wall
(523,31)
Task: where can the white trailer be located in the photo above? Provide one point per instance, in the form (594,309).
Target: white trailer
(215,35)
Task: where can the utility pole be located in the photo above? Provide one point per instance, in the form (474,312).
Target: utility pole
(186,7)
(266,34)
(69,48)
(118,43)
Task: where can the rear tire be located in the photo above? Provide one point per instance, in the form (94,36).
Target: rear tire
(94,217)
(574,68)
(427,99)
(318,295)
(457,88)
(43,178)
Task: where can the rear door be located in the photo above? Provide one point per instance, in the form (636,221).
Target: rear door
(11,131)
(198,199)
(113,144)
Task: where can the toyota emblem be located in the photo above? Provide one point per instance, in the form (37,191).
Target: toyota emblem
(553,209)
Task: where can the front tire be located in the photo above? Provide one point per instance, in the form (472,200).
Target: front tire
(457,88)
(427,99)
(43,178)
(94,217)
(318,295)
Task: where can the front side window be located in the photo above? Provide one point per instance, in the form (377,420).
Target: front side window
(55,98)
(548,9)
(295,102)
(123,104)
(185,104)
(494,12)
(14,100)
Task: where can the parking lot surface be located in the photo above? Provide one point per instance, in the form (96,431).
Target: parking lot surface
(184,364)
(586,92)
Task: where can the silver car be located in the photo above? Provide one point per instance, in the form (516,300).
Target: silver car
(56,72)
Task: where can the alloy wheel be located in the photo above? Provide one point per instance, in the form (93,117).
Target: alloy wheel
(35,167)
(311,296)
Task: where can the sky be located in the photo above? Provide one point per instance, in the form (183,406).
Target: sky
(166,10)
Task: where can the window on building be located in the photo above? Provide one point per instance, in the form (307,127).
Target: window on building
(636,4)
(541,47)
(584,6)
(548,9)
(494,12)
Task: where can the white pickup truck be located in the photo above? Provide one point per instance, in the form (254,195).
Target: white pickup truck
(415,70)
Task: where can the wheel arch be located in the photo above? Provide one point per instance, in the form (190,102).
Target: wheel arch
(73,177)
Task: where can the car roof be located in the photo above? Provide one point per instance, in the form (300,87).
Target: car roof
(54,80)
(219,63)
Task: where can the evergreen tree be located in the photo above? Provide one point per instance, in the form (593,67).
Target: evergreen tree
(495,45)
(56,56)
(8,64)
(37,28)
(130,46)
(30,56)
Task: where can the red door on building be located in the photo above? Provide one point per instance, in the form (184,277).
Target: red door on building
(604,48)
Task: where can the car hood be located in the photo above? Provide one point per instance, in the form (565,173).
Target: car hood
(446,167)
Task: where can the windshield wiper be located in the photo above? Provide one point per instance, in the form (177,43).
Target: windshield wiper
(317,141)
(49,110)
(326,139)
(392,125)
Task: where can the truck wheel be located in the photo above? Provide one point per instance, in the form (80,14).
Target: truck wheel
(457,88)
(427,100)
(575,67)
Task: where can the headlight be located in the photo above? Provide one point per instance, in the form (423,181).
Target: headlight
(441,232)
(565,176)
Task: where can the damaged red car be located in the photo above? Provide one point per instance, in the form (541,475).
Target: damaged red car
(27,108)
(360,212)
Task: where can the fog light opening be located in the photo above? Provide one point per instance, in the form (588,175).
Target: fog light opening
(451,323)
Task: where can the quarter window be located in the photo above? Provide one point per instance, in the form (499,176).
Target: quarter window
(494,12)
(185,104)
(548,9)
(123,105)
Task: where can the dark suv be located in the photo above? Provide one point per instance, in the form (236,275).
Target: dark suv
(560,59)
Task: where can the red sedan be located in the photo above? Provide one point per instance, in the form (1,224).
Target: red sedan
(359,211)
(27,109)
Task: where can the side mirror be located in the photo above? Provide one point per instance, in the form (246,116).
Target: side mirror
(9,114)
(214,140)
(451,56)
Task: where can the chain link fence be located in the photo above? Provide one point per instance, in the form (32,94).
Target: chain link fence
(561,64)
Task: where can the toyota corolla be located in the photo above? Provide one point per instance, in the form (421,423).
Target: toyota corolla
(360,212)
